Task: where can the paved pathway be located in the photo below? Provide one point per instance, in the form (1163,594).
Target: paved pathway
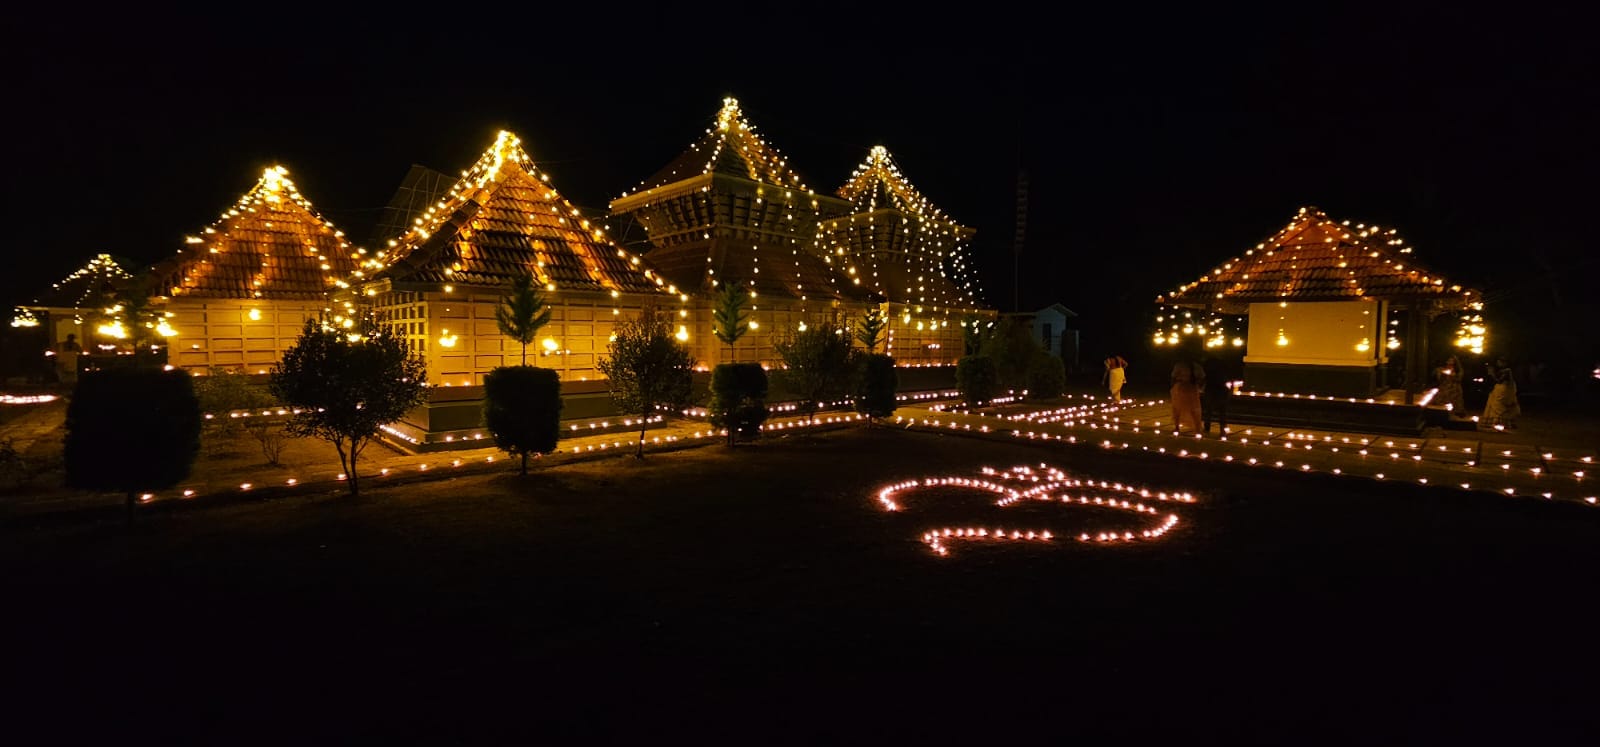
(1518,463)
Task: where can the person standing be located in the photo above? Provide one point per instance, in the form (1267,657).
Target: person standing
(1188,380)
(1115,376)
(1503,408)
(67,353)
(1219,381)
(1451,396)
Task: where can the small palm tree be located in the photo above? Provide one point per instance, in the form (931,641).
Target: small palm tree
(728,318)
(869,330)
(522,312)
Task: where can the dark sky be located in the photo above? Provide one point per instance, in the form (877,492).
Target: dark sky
(1157,144)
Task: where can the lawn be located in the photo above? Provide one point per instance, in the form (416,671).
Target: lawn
(762,595)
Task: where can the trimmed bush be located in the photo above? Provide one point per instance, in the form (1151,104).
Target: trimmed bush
(1047,377)
(522,410)
(739,399)
(876,382)
(131,430)
(977,379)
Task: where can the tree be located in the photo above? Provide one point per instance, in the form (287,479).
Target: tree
(647,368)
(869,330)
(1047,377)
(522,409)
(346,386)
(1012,347)
(819,362)
(131,430)
(728,317)
(522,312)
(973,332)
(977,379)
(739,399)
(225,390)
(876,382)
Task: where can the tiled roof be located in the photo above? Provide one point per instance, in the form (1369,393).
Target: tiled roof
(271,244)
(501,219)
(1315,258)
(896,241)
(731,146)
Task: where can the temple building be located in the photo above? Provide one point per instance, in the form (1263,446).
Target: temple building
(730,210)
(901,247)
(1325,305)
(75,304)
(238,295)
(439,283)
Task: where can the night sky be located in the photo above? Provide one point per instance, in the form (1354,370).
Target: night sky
(1156,144)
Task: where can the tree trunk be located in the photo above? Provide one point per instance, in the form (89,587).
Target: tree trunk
(524,462)
(524,354)
(642,425)
(128,513)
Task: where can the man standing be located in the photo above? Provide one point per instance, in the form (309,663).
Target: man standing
(1220,380)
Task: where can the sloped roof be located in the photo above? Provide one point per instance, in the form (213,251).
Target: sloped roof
(502,219)
(272,244)
(92,284)
(1315,258)
(896,240)
(731,146)
(730,210)
(419,190)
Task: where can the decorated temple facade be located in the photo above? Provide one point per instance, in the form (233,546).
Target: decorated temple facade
(238,294)
(1320,307)
(439,283)
(77,304)
(910,256)
(730,210)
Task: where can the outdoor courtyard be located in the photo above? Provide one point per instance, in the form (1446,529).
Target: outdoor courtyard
(764,594)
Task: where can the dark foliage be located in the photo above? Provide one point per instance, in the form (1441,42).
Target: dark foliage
(522,410)
(739,399)
(977,379)
(818,364)
(647,369)
(1047,377)
(131,430)
(345,389)
(876,382)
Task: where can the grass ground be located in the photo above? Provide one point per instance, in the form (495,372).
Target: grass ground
(760,595)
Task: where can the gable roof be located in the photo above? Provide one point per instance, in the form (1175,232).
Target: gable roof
(419,190)
(271,244)
(731,146)
(502,219)
(729,210)
(88,286)
(1315,258)
(896,241)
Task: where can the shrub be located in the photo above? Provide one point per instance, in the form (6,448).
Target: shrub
(876,382)
(1047,377)
(131,430)
(977,379)
(522,410)
(739,399)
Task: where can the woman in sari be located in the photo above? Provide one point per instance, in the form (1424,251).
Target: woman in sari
(1451,396)
(1502,409)
(1188,381)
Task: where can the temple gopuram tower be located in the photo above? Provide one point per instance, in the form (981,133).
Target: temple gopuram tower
(238,295)
(897,244)
(730,210)
(439,283)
